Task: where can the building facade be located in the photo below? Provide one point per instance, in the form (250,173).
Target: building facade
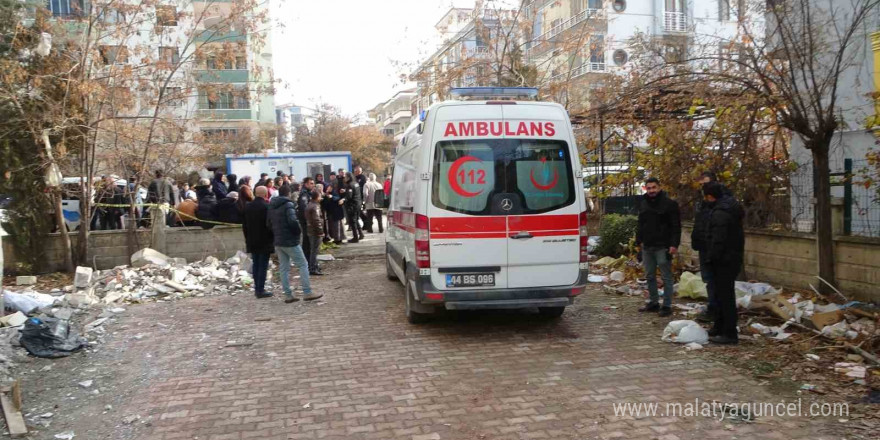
(291,120)
(393,116)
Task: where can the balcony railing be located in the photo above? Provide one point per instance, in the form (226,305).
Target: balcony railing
(675,22)
(477,52)
(579,71)
(222,75)
(568,24)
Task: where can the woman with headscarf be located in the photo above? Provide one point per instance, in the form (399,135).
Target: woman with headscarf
(227,209)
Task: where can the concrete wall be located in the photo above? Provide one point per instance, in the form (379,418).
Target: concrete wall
(110,248)
(789,259)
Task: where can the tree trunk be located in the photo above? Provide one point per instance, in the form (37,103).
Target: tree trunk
(62,230)
(824,236)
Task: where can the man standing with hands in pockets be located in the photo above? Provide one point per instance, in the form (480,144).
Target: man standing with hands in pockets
(658,237)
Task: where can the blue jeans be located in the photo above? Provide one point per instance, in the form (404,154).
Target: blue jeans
(261,266)
(295,254)
(653,257)
(709,279)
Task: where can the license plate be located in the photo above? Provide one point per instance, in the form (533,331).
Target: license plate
(470,279)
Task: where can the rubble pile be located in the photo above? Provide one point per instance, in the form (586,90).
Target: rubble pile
(151,276)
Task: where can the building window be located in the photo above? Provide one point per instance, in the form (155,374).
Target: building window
(674,6)
(597,49)
(169,55)
(65,8)
(241,63)
(174,96)
(112,15)
(724,10)
(166,16)
(224,100)
(214,134)
(114,54)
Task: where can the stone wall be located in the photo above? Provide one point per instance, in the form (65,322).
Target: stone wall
(110,248)
(789,259)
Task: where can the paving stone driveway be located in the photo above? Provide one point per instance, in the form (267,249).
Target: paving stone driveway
(350,367)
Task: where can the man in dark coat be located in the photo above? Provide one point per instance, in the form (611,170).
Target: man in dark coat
(287,235)
(219,186)
(207,204)
(258,238)
(333,205)
(658,237)
(698,243)
(227,209)
(362,181)
(725,246)
(302,202)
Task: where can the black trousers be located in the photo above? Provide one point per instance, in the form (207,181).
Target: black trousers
(724,276)
(368,223)
(377,213)
(260,269)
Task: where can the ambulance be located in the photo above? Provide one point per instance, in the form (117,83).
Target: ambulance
(487,209)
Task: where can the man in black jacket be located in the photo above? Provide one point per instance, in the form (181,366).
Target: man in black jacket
(658,236)
(258,238)
(227,209)
(302,202)
(287,235)
(698,243)
(725,246)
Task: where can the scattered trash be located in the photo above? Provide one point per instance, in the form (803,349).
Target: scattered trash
(50,338)
(850,369)
(808,387)
(128,420)
(86,383)
(27,302)
(65,435)
(812,357)
(690,346)
(325,257)
(835,331)
(691,286)
(684,332)
(596,279)
(617,276)
(611,263)
(307,405)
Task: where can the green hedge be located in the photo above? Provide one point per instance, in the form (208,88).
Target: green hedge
(615,232)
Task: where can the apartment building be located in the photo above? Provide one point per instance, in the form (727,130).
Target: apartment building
(464,57)
(234,79)
(291,120)
(393,116)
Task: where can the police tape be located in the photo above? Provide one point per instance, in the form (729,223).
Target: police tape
(183,215)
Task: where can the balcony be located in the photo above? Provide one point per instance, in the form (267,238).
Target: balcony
(221,76)
(477,52)
(399,115)
(214,36)
(568,24)
(579,71)
(226,115)
(675,22)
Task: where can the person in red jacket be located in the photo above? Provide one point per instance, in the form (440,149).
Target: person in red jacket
(387,186)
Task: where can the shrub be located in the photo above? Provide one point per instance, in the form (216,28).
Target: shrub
(615,232)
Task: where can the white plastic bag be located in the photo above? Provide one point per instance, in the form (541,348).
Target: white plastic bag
(27,302)
(691,286)
(685,332)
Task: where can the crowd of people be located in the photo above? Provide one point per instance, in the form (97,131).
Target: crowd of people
(717,235)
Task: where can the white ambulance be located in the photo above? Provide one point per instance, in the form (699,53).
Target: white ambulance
(487,209)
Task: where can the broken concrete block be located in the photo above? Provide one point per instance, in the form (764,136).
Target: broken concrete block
(112,297)
(28,280)
(14,320)
(178,261)
(83,277)
(63,313)
(147,256)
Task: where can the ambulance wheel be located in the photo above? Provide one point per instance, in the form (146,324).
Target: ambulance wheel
(412,316)
(550,312)
(389,271)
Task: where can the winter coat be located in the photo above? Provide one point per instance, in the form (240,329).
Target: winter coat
(726,238)
(207,206)
(699,240)
(352,196)
(159,191)
(314,220)
(257,235)
(282,221)
(659,222)
(220,189)
(302,203)
(334,210)
(227,211)
(371,189)
(187,210)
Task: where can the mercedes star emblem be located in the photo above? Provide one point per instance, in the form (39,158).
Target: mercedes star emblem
(506,204)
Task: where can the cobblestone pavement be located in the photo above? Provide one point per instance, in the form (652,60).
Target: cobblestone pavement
(350,367)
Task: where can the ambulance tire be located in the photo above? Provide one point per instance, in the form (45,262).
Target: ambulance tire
(412,316)
(551,312)
(389,271)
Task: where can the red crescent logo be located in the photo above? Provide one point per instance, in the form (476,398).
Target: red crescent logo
(549,185)
(453,170)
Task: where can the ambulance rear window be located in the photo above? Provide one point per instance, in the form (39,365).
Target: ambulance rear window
(467,173)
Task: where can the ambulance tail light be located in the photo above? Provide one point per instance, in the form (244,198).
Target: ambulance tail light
(582,231)
(423,245)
